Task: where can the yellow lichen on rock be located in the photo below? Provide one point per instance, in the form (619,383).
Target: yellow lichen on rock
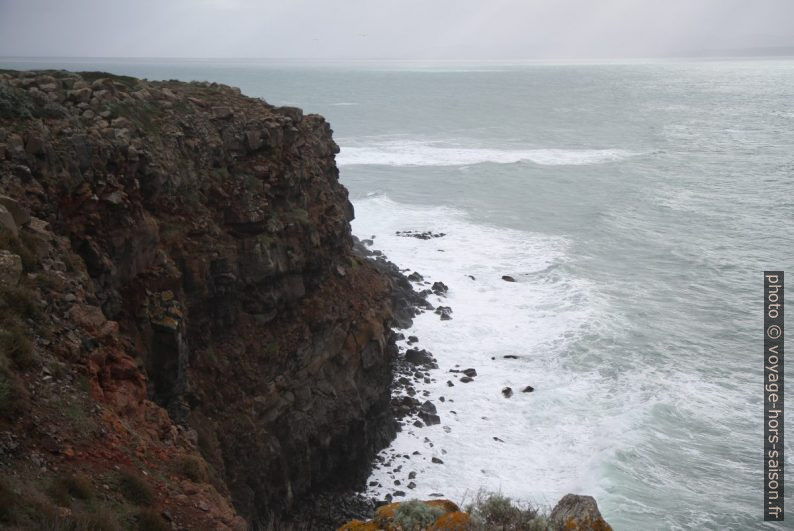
(454,521)
(586,524)
(358,525)
(385,513)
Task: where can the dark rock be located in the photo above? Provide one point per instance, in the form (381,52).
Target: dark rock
(528,389)
(428,407)
(415,277)
(411,485)
(437,461)
(471,373)
(430,418)
(419,357)
(466,379)
(439,288)
(497,439)
(445,312)
(507,392)
(412,340)
(508,278)
(450,384)
(510,357)
(420,235)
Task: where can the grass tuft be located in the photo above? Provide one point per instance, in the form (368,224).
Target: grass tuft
(136,489)
(150,520)
(192,467)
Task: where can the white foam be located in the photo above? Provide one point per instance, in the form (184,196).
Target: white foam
(413,153)
(553,438)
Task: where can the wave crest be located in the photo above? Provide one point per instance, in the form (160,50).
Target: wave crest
(436,154)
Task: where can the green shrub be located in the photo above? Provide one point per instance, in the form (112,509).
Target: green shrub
(101,520)
(192,467)
(16,103)
(21,245)
(135,488)
(8,504)
(415,515)
(16,347)
(21,302)
(491,510)
(150,520)
(78,486)
(14,401)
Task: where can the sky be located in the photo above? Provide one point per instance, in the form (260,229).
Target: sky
(394,29)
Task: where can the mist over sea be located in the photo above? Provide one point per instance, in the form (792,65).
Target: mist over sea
(631,202)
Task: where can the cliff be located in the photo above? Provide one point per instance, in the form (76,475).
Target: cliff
(188,339)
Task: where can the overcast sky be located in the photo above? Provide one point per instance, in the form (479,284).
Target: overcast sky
(391,29)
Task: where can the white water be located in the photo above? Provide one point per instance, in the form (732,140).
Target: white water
(416,153)
(551,435)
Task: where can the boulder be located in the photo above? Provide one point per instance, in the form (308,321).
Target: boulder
(577,512)
(445,312)
(293,113)
(7,221)
(10,269)
(508,278)
(507,392)
(430,418)
(18,212)
(418,357)
(528,389)
(471,373)
(428,407)
(439,288)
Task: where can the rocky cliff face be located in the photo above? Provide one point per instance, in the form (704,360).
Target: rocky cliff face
(180,302)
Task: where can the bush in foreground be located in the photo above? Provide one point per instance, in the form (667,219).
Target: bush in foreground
(494,511)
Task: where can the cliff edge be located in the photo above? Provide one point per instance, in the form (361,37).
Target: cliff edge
(187,337)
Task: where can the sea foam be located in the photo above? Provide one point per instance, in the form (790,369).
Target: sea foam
(549,438)
(413,153)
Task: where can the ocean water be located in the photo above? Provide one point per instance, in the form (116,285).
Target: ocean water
(635,204)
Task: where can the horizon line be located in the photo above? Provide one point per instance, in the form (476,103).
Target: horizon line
(716,54)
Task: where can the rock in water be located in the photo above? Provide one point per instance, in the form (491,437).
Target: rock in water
(439,288)
(415,277)
(508,392)
(445,312)
(419,357)
(508,278)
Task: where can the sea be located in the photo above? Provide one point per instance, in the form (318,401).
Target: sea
(636,204)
